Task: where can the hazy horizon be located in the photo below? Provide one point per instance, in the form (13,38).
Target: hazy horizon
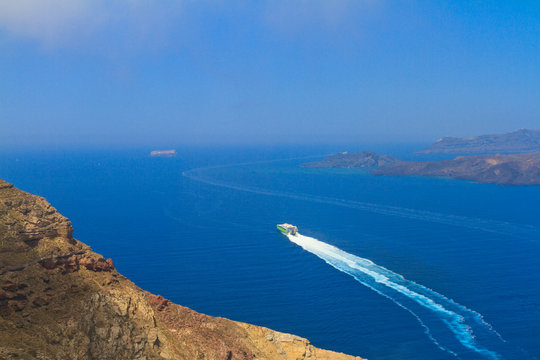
(142,74)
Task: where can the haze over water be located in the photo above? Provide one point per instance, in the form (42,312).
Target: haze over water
(203,235)
(130,73)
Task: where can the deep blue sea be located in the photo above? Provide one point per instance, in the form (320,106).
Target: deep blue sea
(384,268)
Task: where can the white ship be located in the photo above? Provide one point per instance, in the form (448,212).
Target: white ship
(287,229)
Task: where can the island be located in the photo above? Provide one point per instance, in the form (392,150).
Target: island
(523,140)
(514,169)
(510,169)
(163,153)
(61,300)
(353,160)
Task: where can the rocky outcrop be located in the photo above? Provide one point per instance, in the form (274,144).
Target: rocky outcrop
(515,169)
(523,140)
(354,160)
(60,300)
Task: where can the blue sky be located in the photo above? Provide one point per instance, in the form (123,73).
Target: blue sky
(158,73)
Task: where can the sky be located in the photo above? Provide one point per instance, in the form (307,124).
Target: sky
(162,73)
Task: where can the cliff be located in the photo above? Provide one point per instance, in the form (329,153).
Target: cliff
(515,169)
(523,140)
(60,300)
(354,160)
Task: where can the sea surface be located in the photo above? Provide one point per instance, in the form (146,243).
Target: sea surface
(384,267)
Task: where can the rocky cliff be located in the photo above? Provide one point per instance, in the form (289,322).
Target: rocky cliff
(60,300)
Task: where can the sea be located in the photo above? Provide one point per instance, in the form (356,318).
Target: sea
(383,267)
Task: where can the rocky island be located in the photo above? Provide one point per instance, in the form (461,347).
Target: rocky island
(514,169)
(354,160)
(61,300)
(523,140)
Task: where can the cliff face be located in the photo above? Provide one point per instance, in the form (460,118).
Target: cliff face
(60,300)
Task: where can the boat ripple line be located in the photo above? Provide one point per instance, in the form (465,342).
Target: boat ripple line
(458,320)
(485,225)
(464,324)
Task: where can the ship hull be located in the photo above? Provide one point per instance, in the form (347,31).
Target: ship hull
(287,229)
(283,230)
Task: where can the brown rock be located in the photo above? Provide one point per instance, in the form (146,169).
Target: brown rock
(99,264)
(5,184)
(158,302)
(9,286)
(39,301)
(67,264)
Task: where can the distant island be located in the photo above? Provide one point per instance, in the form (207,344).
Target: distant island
(353,160)
(163,153)
(519,141)
(513,169)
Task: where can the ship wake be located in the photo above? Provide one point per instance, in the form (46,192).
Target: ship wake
(452,327)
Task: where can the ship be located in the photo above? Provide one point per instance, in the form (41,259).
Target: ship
(287,229)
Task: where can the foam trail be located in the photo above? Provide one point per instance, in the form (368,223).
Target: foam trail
(491,226)
(451,326)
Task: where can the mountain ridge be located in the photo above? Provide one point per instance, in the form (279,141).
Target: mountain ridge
(522,140)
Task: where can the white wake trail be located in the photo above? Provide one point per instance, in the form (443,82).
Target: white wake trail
(451,326)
